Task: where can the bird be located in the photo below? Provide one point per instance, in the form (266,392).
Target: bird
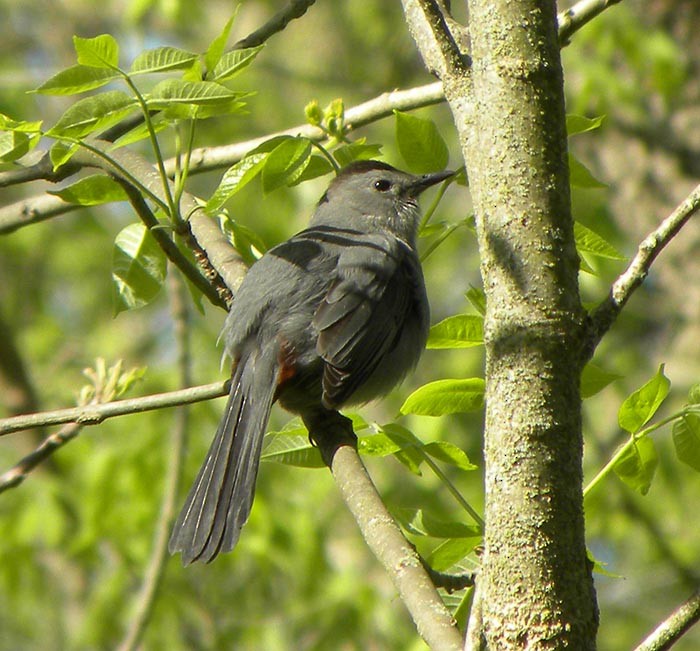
(336,315)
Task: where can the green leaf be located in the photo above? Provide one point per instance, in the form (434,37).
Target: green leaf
(588,241)
(446,397)
(460,331)
(418,522)
(76,79)
(449,453)
(694,394)
(580,176)
(15,144)
(420,144)
(580,124)
(217,46)
(476,296)
(199,93)
(599,566)
(377,445)
(450,552)
(184,111)
(291,450)
(92,191)
(245,240)
(162,59)
(138,268)
(99,52)
(61,152)
(348,153)
(235,178)
(686,439)
(234,62)
(285,163)
(640,406)
(93,114)
(594,379)
(140,132)
(318,166)
(637,465)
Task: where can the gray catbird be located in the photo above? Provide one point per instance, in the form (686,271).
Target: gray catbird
(337,314)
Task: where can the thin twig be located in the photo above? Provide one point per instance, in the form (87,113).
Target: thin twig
(677,624)
(572,19)
(95,414)
(622,289)
(18,473)
(295,9)
(176,445)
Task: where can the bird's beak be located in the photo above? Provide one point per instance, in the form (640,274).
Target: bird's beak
(427,180)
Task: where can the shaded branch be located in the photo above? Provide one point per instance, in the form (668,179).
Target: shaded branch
(95,414)
(295,9)
(176,446)
(622,289)
(677,624)
(338,446)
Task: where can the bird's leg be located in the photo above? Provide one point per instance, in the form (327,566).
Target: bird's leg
(329,430)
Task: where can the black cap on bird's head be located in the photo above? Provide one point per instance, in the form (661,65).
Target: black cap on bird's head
(372,195)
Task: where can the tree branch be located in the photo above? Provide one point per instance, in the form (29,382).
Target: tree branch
(338,446)
(18,473)
(295,9)
(677,624)
(572,19)
(176,447)
(95,414)
(622,289)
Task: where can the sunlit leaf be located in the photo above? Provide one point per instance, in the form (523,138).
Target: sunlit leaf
(686,439)
(138,268)
(636,467)
(162,59)
(446,397)
(77,79)
(92,114)
(460,331)
(450,552)
(234,62)
(235,178)
(92,191)
(291,451)
(285,163)
(418,522)
(420,144)
(588,241)
(641,405)
(175,91)
(580,124)
(449,453)
(99,52)
(218,45)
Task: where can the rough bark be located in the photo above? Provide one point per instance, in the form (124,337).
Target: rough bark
(535,584)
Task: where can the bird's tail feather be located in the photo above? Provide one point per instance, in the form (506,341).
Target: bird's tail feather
(221,497)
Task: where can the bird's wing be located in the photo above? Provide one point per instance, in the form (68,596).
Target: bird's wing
(361,316)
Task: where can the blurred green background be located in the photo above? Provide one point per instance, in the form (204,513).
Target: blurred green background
(77,535)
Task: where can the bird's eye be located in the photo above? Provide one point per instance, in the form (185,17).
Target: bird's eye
(382,185)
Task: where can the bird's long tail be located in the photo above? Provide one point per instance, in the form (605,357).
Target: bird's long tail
(220,500)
